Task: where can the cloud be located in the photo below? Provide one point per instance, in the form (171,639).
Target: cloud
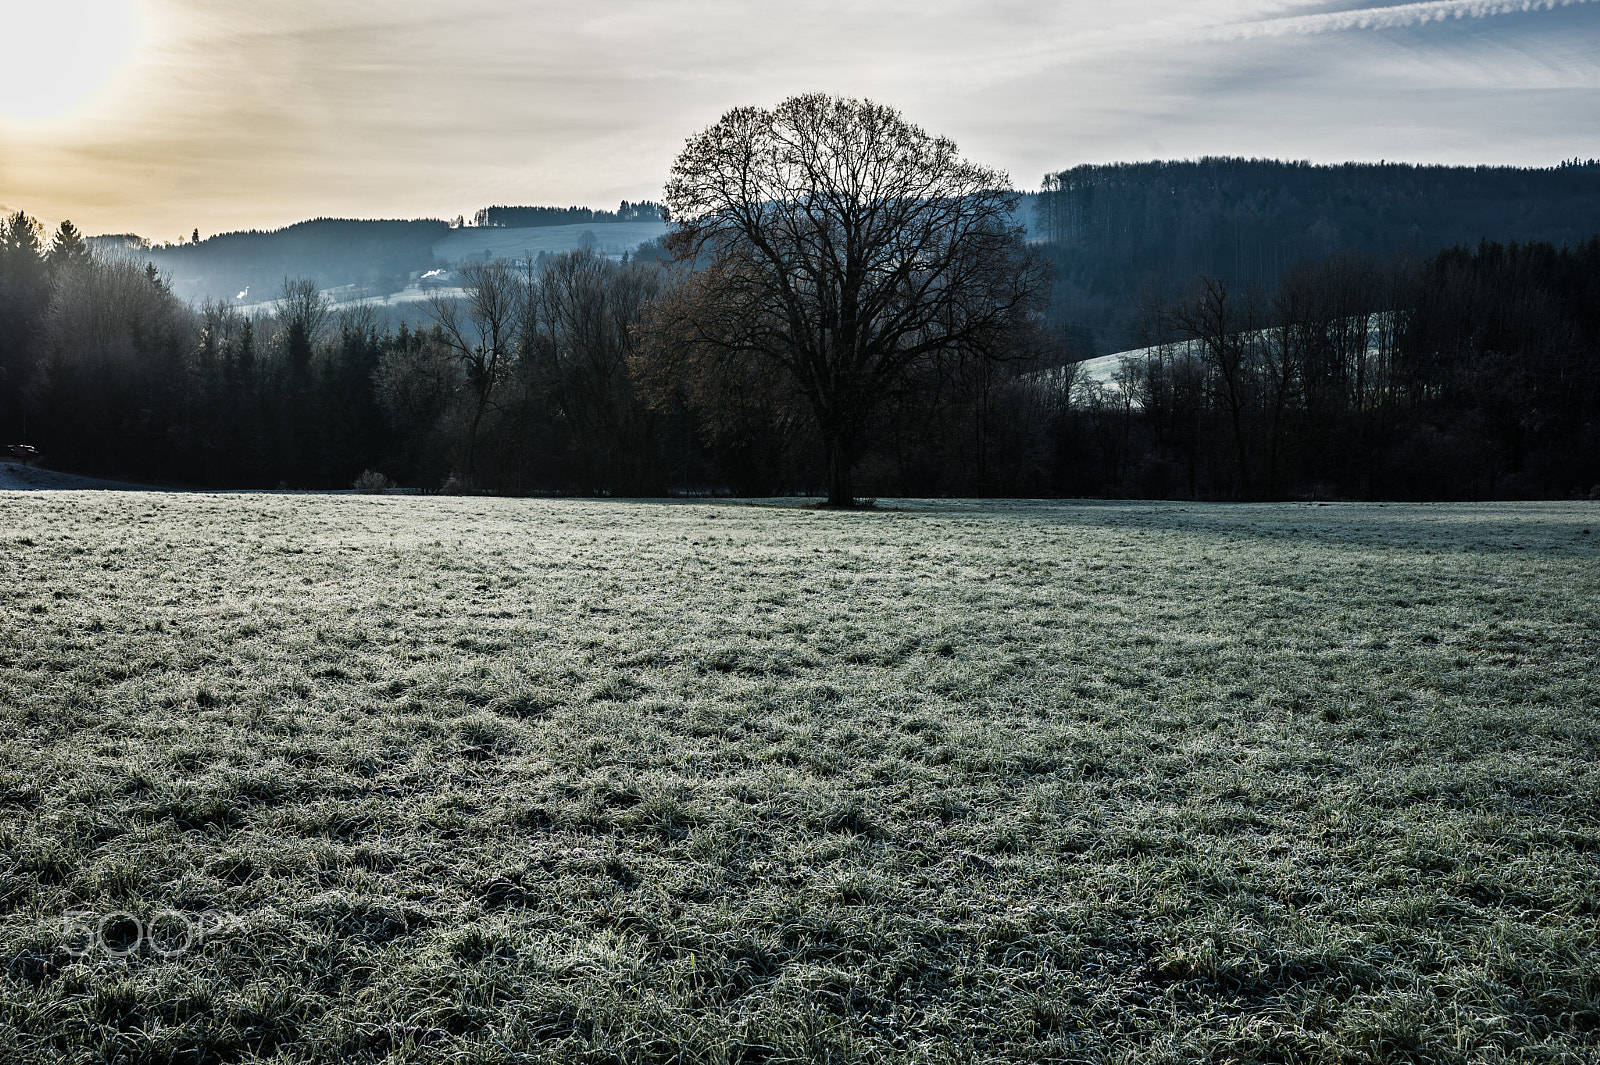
(1397,16)
(236,114)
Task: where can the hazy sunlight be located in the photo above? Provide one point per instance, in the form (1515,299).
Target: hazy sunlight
(61,53)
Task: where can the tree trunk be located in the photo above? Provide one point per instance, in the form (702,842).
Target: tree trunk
(469,475)
(839,456)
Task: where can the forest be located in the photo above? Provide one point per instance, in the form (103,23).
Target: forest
(529,217)
(377,256)
(1124,234)
(1474,374)
(1467,373)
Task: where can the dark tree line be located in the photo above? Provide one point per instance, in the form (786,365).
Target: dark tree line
(546,377)
(1473,375)
(532,217)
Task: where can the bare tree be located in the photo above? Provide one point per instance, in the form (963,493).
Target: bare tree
(844,246)
(302,310)
(581,338)
(1224,326)
(481,331)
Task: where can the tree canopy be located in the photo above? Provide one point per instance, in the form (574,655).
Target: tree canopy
(844,246)
(67,248)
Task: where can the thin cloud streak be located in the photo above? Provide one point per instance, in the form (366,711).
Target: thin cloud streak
(1398,16)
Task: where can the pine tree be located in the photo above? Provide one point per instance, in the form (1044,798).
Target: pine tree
(21,244)
(68,250)
(24,295)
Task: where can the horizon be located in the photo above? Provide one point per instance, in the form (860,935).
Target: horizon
(467,222)
(178,115)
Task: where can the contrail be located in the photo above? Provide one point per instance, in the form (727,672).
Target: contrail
(1387,18)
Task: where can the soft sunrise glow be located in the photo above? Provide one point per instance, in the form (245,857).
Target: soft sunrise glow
(162,116)
(60,53)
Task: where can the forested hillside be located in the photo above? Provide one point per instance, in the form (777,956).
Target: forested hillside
(376,258)
(332,251)
(1125,234)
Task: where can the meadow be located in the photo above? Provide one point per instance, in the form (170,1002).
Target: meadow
(404,779)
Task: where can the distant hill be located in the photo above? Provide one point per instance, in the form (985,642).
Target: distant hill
(1117,229)
(494,242)
(377,255)
(355,258)
(536,217)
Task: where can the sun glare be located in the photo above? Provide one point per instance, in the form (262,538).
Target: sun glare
(61,52)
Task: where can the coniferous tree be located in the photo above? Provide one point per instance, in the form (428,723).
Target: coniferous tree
(68,250)
(24,295)
(302,314)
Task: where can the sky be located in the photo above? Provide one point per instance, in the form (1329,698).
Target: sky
(160,117)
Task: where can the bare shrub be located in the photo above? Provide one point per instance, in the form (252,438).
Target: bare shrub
(372,483)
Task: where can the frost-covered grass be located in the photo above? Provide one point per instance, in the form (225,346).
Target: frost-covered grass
(441,779)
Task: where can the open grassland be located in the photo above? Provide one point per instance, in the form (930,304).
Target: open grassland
(462,780)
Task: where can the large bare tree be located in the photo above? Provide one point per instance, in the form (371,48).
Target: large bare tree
(843,246)
(482,330)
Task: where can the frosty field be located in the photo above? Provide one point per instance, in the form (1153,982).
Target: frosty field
(348,778)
